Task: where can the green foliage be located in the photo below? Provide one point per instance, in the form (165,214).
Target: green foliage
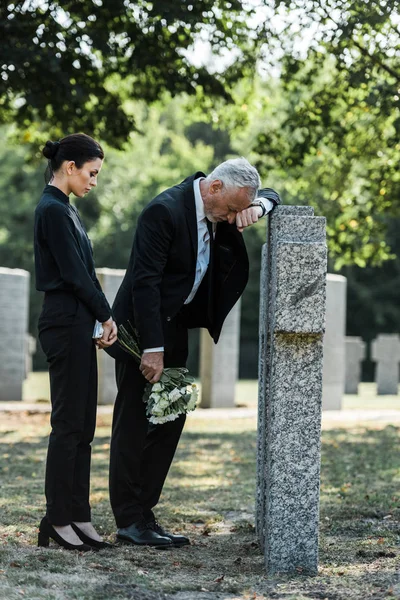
(334,138)
(74,65)
(158,157)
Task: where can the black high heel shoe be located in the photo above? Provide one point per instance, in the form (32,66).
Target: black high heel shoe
(89,541)
(47,531)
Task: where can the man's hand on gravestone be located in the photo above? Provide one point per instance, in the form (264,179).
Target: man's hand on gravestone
(248,217)
(152,365)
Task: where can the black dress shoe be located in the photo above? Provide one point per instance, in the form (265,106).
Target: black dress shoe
(140,534)
(177,540)
(47,531)
(90,541)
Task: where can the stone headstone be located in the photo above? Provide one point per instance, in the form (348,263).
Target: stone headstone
(292,318)
(110,280)
(30,351)
(14,310)
(386,353)
(355,354)
(334,342)
(219,363)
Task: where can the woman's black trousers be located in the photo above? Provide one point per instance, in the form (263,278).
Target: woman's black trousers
(65,333)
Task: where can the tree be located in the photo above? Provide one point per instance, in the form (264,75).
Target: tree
(78,64)
(335,137)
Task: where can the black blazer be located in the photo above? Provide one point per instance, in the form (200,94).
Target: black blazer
(162,267)
(63,254)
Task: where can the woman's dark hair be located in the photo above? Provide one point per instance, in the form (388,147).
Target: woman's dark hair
(79,147)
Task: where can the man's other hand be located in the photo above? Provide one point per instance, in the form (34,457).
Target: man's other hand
(247,217)
(152,365)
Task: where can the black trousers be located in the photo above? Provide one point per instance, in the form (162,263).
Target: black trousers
(141,453)
(65,333)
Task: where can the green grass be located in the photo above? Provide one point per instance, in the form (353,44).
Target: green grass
(36,388)
(209,495)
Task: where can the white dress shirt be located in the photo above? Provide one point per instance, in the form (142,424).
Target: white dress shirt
(203,241)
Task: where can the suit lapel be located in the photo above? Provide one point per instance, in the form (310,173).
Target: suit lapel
(211,274)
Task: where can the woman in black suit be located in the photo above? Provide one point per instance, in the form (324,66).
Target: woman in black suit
(73,301)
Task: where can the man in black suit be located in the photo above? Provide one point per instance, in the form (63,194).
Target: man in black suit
(188,267)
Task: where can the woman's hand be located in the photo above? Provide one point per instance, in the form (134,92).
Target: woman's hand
(109,336)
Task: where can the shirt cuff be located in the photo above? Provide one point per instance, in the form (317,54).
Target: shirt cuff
(267,204)
(160,349)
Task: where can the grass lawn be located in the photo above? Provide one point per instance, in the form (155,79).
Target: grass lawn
(37,388)
(210,496)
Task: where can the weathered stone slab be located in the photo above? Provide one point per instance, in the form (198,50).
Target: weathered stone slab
(334,342)
(219,363)
(355,354)
(14,310)
(292,311)
(110,280)
(386,353)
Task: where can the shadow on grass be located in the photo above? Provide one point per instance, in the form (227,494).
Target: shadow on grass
(209,494)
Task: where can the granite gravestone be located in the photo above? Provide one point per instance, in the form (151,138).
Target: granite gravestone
(292,318)
(386,353)
(110,280)
(219,363)
(14,310)
(334,343)
(355,354)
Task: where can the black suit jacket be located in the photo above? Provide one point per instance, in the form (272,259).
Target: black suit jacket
(162,267)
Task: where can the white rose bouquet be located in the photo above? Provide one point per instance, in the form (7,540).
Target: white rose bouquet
(175,394)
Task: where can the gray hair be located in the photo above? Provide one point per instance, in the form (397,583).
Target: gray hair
(237,173)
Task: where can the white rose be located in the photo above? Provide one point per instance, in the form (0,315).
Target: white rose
(163,403)
(157,387)
(191,405)
(174,395)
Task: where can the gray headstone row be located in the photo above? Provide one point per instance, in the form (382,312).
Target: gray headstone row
(14,310)
(385,353)
(355,354)
(110,280)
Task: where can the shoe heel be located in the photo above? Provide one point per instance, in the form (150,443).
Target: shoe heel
(43,540)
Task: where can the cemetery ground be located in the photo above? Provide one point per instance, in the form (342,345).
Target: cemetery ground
(209,495)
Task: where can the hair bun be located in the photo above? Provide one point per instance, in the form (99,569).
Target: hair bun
(50,149)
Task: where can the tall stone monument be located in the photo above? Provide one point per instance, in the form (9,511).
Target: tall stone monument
(292,320)
(219,363)
(355,354)
(334,342)
(110,280)
(386,353)
(14,310)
